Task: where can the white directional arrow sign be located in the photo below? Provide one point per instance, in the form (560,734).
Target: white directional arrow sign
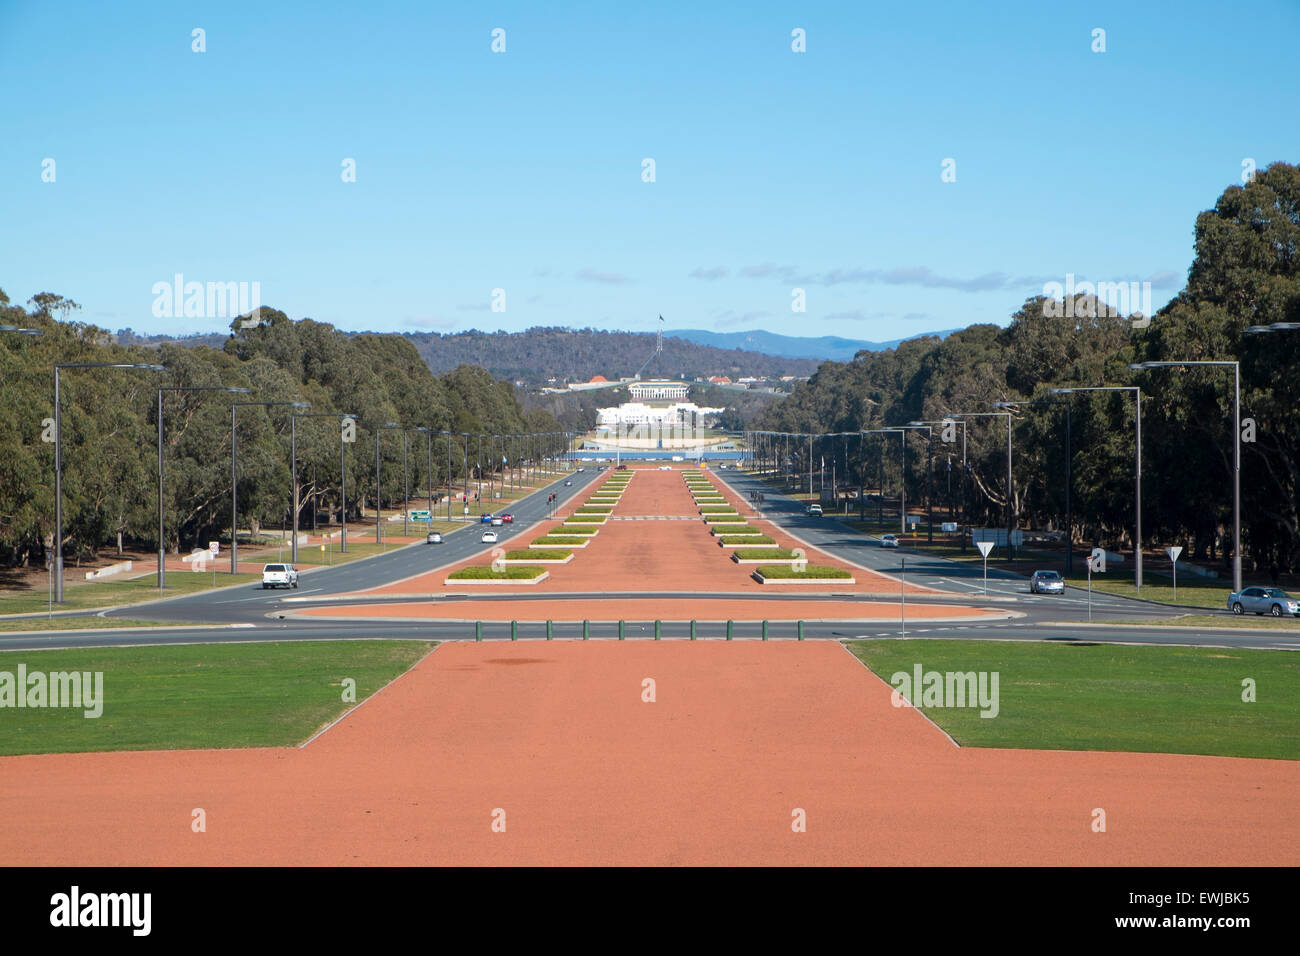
(985,547)
(1174,551)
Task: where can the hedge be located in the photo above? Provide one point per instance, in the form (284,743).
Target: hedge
(536,554)
(483,572)
(810,571)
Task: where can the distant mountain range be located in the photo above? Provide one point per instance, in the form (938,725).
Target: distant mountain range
(826,347)
(539,355)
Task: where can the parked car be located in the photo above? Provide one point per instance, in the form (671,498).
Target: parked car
(1046,582)
(814,510)
(497,521)
(433,537)
(484,519)
(889,541)
(621,468)
(508,518)
(489,537)
(279,576)
(1272,601)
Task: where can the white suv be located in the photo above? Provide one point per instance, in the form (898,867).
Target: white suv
(279,576)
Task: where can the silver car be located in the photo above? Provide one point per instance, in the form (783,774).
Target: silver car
(1272,601)
(1046,582)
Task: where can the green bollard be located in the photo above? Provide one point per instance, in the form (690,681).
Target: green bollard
(692,630)
(765,630)
(801,630)
(478,630)
(514,630)
(730,625)
(658,629)
(550,630)
(620,630)
(586,630)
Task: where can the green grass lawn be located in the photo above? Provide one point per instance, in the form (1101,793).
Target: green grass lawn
(110,593)
(76,623)
(538,554)
(1065,696)
(203,695)
(1218,620)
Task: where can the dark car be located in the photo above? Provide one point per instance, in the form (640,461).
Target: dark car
(567,482)
(621,468)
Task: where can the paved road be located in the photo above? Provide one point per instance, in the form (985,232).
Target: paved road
(948,575)
(249,613)
(251,604)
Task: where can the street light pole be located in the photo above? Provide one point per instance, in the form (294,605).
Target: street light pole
(1236,445)
(343,479)
(234,472)
(1069,481)
(58,454)
(1137,522)
(1010,485)
(162,539)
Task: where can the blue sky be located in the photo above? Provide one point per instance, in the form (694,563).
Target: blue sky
(522,170)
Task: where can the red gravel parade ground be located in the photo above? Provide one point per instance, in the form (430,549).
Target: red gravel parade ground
(556,742)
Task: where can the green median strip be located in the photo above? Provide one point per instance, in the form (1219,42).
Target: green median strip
(487,573)
(811,572)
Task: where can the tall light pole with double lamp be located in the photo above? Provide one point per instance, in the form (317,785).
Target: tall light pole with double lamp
(1011,520)
(1137,522)
(345,418)
(58,457)
(1069,478)
(234,471)
(379,518)
(162,540)
(1236,446)
(902,473)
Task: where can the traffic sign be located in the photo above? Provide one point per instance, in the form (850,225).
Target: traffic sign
(1174,551)
(985,547)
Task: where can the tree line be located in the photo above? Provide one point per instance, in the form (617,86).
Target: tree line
(1246,273)
(109,429)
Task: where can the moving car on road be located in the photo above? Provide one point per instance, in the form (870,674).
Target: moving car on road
(567,483)
(1272,601)
(508,518)
(815,510)
(279,576)
(485,519)
(489,537)
(1046,582)
(433,537)
(497,521)
(889,541)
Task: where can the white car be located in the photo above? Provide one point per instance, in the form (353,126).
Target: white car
(489,537)
(497,521)
(815,510)
(434,537)
(279,576)
(888,541)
